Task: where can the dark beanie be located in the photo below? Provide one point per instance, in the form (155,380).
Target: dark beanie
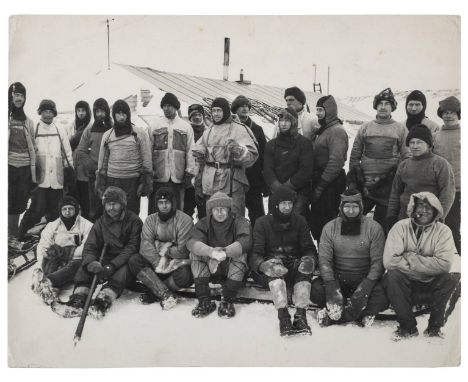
(421,132)
(164,193)
(224,105)
(114,194)
(417,95)
(101,104)
(17,87)
(283,194)
(385,95)
(195,108)
(170,99)
(449,104)
(296,93)
(240,101)
(68,200)
(120,106)
(16,113)
(47,104)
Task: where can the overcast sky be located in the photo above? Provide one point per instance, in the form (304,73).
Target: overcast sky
(365,53)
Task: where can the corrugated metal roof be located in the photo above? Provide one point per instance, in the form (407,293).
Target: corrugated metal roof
(192,89)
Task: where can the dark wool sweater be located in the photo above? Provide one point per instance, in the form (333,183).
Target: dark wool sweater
(428,172)
(122,235)
(289,158)
(254,173)
(353,255)
(272,240)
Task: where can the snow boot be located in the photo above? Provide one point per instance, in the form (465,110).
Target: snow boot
(433,332)
(404,334)
(286,329)
(204,307)
(300,325)
(37,278)
(168,300)
(226,309)
(148,298)
(366,321)
(102,303)
(48,293)
(323,319)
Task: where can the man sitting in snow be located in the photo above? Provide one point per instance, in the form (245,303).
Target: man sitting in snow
(60,250)
(418,256)
(120,228)
(162,264)
(284,256)
(350,261)
(218,247)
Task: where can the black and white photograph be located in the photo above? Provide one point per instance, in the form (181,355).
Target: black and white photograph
(233,190)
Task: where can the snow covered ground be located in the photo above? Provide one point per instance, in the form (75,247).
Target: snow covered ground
(136,335)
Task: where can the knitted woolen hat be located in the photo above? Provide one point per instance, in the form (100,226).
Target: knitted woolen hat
(219,199)
(47,104)
(224,105)
(351,196)
(240,101)
(68,200)
(296,93)
(170,99)
(114,194)
(283,194)
(449,104)
(385,95)
(195,108)
(421,132)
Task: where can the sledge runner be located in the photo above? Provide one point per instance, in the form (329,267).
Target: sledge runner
(22,159)
(163,264)
(88,153)
(218,246)
(60,250)
(350,259)
(418,256)
(225,150)
(120,228)
(171,141)
(284,256)
(378,148)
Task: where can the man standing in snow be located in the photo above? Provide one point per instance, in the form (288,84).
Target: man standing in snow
(55,160)
(415,110)
(60,250)
(418,256)
(125,158)
(163,264)
(283,257)
(257,187)
(330,144)
(378,148)
(171,140)
(22,158)
(193,192)
(88,152)
(218,247)
(289,161)
(120,228)
(350,261)
(307,124)
(447,145)
(225,150)
(76,129)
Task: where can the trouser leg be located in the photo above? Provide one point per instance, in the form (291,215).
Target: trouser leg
(64,275)
(442,289)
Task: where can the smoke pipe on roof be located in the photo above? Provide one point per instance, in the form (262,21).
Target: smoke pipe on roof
(227,44)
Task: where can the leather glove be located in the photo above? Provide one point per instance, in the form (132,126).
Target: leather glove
(307,265)
(235,149)
(95,267)
(109,270)
(145,187)
(358,300)
(273,268)
(188,180)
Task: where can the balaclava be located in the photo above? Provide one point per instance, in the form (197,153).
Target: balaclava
(14,112)
(167,194)
(101,126)
(290,114)
(282,194)
(415,119)
(224,105)
(121,106)
(80,124)
(69,201)
(351,226)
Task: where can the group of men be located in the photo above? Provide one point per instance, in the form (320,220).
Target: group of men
(104,167)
